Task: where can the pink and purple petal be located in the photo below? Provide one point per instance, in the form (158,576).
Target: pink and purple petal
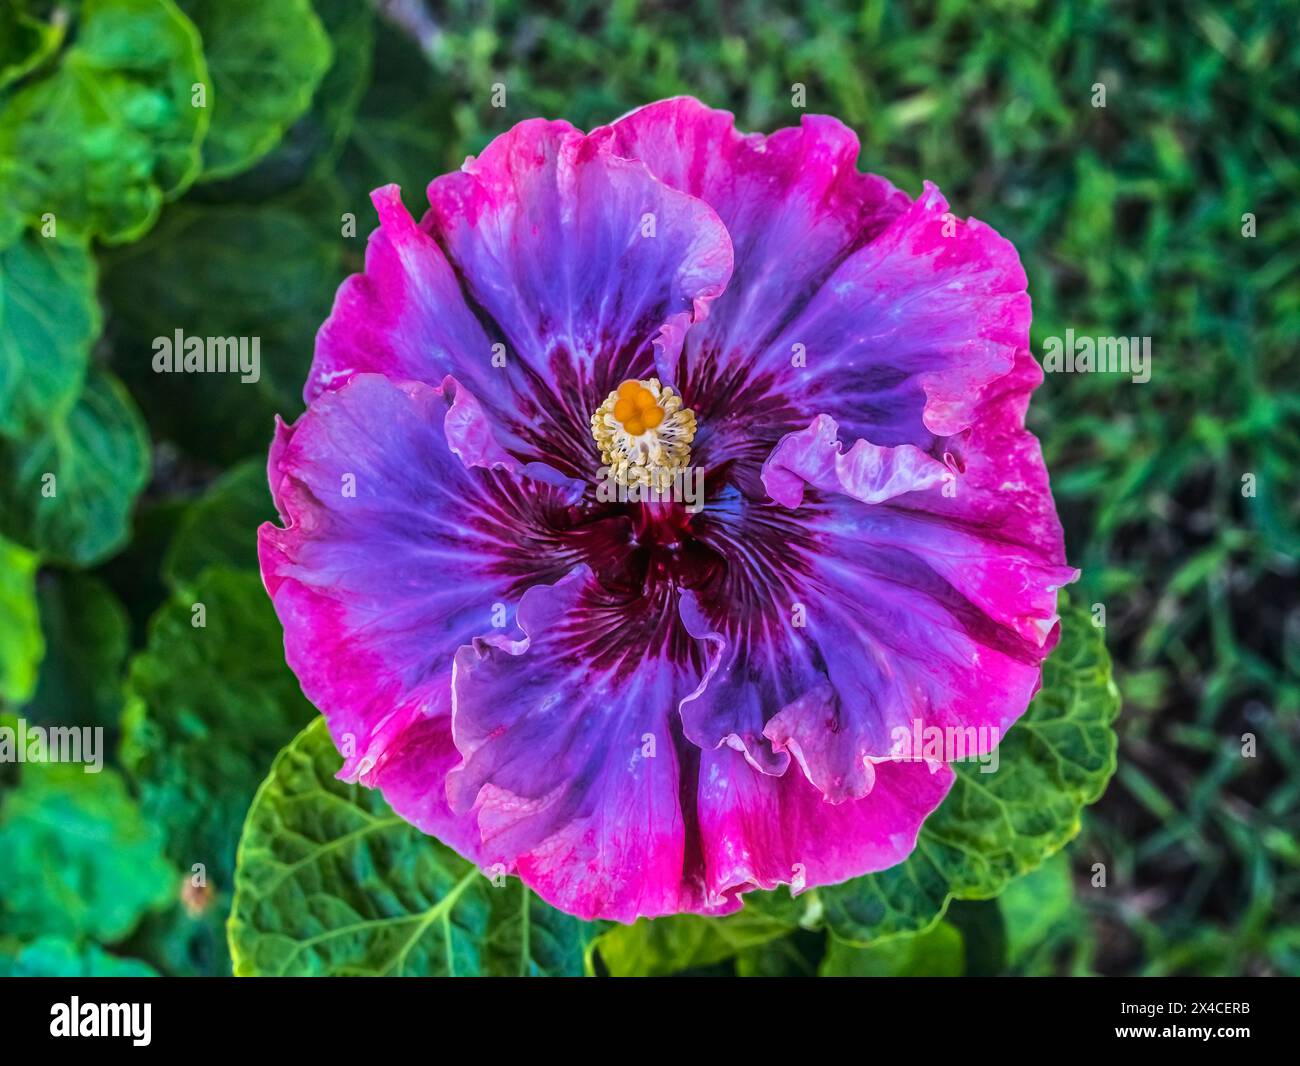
(759,831)
(570,764)
(793,202)
(848,298)
(546,272)
(576,253)
(897,595)
(396,550)
(404,317)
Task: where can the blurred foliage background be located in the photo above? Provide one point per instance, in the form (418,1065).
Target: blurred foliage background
(229,219)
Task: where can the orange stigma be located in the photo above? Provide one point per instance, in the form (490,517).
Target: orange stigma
(644,433)
(636,408)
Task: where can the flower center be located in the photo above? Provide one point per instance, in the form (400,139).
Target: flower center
(644,434)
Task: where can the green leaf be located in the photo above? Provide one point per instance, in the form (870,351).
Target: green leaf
(265,61)
(1033,905)
(315,140)
(68,493)
(87,634)
(654,947)
(938,952)
(207,710)
(795,955)
(995,826)
(25,41)
(21,643)
(220,528)
(263,272)
(331,882)
(983,933)
(52,956)
(529,938)
(110,133)
(49,318)
(80,860)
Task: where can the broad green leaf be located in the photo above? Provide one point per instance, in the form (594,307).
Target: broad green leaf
(654,947)
(938,952)
(983,934)
(68,493)
(316,139)
(331,882)
(53,956)
(797,954)
(49,318)
(996,826)
(26,41)
(87,634)
(21,642)
(1032,905)
(529,938)
(110,133)
(262,273)
(207,709)
(79,858)
(265,61)
(220,527)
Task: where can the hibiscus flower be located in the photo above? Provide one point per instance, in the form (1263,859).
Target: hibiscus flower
(519,621)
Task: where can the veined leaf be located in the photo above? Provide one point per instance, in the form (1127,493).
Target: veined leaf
(313,142)
(654,947)
(68,492)
(208,707)
(49,318)
(996,826)
(111,131)
(265,61)
(331,882)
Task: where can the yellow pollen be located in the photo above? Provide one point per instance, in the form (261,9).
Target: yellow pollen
(644,433)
